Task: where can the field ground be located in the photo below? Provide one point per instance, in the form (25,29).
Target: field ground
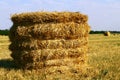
(103,59)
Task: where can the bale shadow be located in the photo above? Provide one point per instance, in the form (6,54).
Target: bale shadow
(8,64)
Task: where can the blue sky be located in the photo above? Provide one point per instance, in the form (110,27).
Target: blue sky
(103,14)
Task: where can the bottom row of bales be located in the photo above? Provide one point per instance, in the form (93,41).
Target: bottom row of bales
(51,43)
(37,59)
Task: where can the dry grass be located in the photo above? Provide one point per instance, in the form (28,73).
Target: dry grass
(103,59)
(104,55)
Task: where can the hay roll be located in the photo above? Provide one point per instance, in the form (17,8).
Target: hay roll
(37,59)
(71,62)
(50,31)
(66,61)
(34,44)
(48,17)
(48,54)
(107,33)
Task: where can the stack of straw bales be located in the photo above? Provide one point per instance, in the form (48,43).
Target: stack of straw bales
(51,40)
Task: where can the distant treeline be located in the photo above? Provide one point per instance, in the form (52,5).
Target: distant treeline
(6,32)
(101,32)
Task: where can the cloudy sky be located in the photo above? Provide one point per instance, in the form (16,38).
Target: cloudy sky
(103,14)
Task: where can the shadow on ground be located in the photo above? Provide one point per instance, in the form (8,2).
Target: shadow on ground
(7,63)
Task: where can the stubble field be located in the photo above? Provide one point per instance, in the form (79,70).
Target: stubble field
(103,62)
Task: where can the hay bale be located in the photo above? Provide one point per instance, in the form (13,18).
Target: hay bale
(25,58)
(49,40)
(50,31)
(107,33)
(48,17)
(34,44)
(51,53)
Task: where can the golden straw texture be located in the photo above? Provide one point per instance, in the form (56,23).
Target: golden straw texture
(51,53)
(50,57)
(50,31)
(49,40)
(48,17)
(34,44)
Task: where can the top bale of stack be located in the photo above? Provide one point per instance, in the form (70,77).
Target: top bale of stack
(48,17)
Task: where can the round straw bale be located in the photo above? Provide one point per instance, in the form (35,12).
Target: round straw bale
(34,44)
(48,17)
(50,31)
(107,33)
(65,62)
(48,54)
(42,58)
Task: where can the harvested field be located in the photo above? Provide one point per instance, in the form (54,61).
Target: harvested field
(103,60)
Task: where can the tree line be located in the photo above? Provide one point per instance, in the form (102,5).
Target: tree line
(6,32)
(101,32)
